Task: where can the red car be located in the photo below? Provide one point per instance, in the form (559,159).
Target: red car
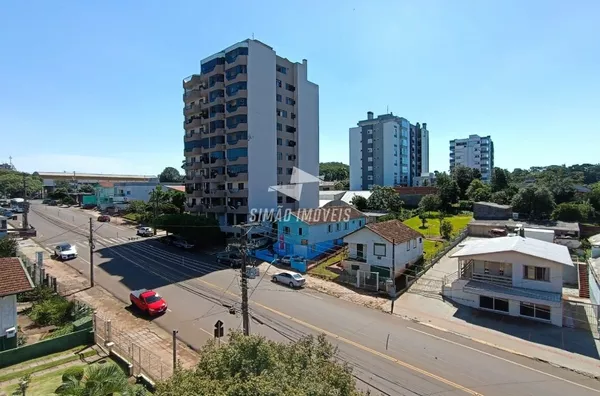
(104,218)
(148,301)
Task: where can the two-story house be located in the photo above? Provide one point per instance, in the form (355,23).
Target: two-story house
(14,280)
(512,275)
(311,232)
(383,248)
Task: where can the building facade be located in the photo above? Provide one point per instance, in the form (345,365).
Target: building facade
(251,116)
(387,151)
(476,152)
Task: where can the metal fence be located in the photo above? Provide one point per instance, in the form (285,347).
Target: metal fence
(367,280)
(110,338)
(581,315)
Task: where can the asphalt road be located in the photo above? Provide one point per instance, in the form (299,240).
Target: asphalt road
(389,355)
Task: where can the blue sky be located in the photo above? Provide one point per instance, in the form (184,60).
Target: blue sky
(96,86)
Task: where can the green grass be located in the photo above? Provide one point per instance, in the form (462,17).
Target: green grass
(32,361)
(132,216)
(430,248)
(45,384)
(322,271)
(45,366)
(433,225)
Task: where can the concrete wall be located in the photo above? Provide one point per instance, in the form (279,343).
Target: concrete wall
(356,182)
(594,282)
(481,211)
(8,316)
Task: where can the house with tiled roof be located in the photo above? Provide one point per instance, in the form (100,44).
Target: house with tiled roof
(312,232)
(14,280)
(383,248)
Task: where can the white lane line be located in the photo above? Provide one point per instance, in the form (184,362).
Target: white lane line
(169,310)
(504,360)
(113,240)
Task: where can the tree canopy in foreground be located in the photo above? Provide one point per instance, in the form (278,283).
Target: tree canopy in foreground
(256,366)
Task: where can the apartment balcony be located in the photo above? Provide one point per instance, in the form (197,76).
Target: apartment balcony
(190,137)
(216,209)
(217,116)
(217,147)
(239,60)
(240,93)
(240,110)
(194,151)
(238,161)
(218,69)
(237,209)
(219,100)
(216,193)
(240,177)
(496,273)
(242,126)
(241,143)
(216,179)
(192,109)
(192,81)
(197,194)
(217,162)
(238,78)
(237,192)
(196,165)
(195,94)
(195,123)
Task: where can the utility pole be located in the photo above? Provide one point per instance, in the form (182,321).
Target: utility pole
(393,273)
(175,349)
(91,253)
(155,211)
(245,313)
(25,204)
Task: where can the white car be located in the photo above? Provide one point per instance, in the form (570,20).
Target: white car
(182,244)
(145,231)
(290,279)
(65,251)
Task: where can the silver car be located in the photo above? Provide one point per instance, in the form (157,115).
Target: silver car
(291,279)
(65,251)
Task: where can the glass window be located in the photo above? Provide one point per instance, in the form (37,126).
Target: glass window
(290,101)
(279,98)
(278,83)
(536,273)
(281,69)
(379,249)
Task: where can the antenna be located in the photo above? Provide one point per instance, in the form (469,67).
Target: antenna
(387,109)
(252,35)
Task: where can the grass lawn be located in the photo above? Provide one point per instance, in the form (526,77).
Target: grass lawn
(433,225)
(430,248)
(44,366)
(132,217)
(322,271)
(44,384)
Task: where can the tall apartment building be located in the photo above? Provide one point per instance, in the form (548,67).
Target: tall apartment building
(251,116)
(387,151)
(475,152)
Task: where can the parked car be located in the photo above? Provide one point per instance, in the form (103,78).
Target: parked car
(498,232)
(182,243)
(46,201)
(53,203)
(290,279)
(148,301)
(6,213)
(145,231)
(65,251)
(233,259)
(287,260)
(104,218)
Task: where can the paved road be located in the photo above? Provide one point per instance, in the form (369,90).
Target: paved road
(389,355)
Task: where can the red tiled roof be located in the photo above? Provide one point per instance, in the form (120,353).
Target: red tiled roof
(106,184)
(14,279)
(394,230)
(332,214)
(177,188)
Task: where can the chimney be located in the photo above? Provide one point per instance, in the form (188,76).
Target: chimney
(369,115)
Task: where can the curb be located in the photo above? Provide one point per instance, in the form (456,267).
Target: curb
(557,365)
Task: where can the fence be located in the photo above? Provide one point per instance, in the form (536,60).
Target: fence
(112,339)
(367,280)
(581,315)
(40,277)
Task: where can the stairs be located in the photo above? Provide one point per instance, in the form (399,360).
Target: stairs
(584,282)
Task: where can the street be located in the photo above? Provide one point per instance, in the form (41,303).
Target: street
(388,355)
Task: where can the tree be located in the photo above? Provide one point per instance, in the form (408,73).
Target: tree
(8,246)
(594,197)
(479,191)
(179,199)
(137,206)
(536,202)
(446,229)
(499,179)
(429,203)
(501,198)
(59,193)
(476,173)
(253,365)
(562,189)
(86,188)
(342,185)
(98,380)
(463,176)
(385,198)
(11,183)
(448,190)
(359,202)
(170,175)
(334,171)
(568,211)
(63,185)
(423,217)
(68,200)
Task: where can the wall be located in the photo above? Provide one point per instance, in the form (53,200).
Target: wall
(424,150)
(8,313)
(356,182)
(391,164)
(46,347)
(594,282)
(402,256)
(262,128)
(307,96)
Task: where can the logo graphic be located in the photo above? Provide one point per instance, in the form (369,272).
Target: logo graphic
(294,189)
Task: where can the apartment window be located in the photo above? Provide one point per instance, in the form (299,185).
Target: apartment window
(536,273)
(279,156)
(279,141)
(369,186)
(329,228)
(495,304)
(290,101)
(379,249)
(289,171)
(537,311)
(279,127)
(370,159)
(300,231)
(369,131)
(408,246)
(278,82)
(281,113)
(290,87)
(360,223)
(279,199)
(338,227)
(370,141)
(289,200)
(286,230)
(279,98)
(370,150)
(414,243)
(345,225)
(369,177)
(279,170)
(370,168)
(281,69)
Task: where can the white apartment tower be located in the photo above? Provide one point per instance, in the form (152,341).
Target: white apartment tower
(387,151)
(251,116)
(475,152)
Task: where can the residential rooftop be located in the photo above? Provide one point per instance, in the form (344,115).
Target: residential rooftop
(394,231)
(527,246)
(15,278)
(93,175)
(494,205)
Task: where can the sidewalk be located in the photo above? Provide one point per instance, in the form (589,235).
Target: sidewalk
(145,333)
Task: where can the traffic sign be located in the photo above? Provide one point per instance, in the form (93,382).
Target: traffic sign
(219,330)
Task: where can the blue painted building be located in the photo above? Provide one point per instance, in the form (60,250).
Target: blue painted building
(311,232)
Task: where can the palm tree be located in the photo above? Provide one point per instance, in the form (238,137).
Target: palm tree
(98,380)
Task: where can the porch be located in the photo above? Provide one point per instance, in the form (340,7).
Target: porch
(486,271)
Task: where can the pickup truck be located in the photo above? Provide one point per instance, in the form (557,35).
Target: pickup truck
(148,301)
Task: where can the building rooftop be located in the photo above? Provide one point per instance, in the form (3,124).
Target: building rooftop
(594,239)
(345,196)
(176,188)
(93,175)
(494,205)
(15,278)
(553,225)
(332,214)
(527,246)
(393,231)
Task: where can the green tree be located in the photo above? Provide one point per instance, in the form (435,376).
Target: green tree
(253,365)
(334,171)
(429,203)
(59,193)
(448,190)
(594,196)
(86,188)
(384,198)
(562,189)
(342,185)
(478,191)
(64,185)
(501,198)
(463,177)
(536,202)
(11,184)
(499,179)
(137,206)
(423,217)
(170,175)
(446,229)
(68,200)
(359,202)
(568,211)
(179,199)
(98,380)
(8,246)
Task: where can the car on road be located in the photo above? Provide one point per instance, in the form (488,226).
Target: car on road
(6,213)
(233,259)
(182,243)
(46,201)
(291,279)
(144,231)
(104,218)
(65,251)
(287,260)
(148,301)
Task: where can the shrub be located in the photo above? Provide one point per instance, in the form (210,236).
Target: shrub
(61,331)
(75,372)
(39,293)
(465,205)
(446,229)
(54,311)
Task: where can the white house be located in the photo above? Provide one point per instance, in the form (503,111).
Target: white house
(3,227)
(381,247)
(14,280)
(512,275)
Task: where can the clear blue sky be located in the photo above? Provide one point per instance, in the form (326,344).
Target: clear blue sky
(96,86)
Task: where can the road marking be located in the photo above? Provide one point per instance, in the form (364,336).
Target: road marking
(503,359)
(169,310)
